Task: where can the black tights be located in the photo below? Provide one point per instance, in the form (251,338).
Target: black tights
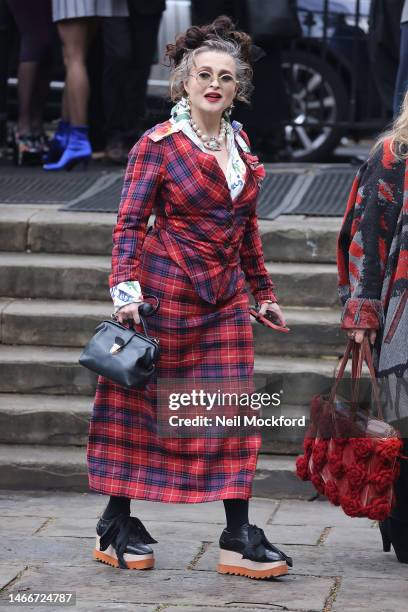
(236,510)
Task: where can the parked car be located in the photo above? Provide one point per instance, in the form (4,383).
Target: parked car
(327,75)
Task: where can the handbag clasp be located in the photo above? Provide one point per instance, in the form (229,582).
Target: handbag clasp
(117,345)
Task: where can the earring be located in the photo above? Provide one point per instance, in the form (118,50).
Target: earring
(188,101)
(230,108)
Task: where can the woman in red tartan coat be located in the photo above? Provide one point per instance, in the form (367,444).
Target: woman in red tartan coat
(204,245)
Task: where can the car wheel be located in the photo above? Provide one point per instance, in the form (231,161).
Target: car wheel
(318,100)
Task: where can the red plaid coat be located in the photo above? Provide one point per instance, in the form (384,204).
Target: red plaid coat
(188,191)
(196,260)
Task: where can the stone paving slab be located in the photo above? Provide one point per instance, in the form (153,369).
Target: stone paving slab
(339,565)
(179,531)
(322,561)
(91,505)
(224,608)
(318,512)
(8,572)
(353,538)
(99,583)
(23,525)
(358,595)
(69,552)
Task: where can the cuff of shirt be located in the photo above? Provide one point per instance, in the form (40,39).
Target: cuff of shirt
(270,299)
(126,293)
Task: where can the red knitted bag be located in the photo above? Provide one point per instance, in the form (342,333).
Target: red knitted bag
(350,456)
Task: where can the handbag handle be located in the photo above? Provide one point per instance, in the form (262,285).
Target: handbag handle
(145,309)
(360,353)
(369,361)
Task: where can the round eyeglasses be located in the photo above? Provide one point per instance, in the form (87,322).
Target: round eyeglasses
(204,78)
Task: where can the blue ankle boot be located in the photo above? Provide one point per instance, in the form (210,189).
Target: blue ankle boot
(78,150)
(58,143)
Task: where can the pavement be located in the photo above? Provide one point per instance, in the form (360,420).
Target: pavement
(47,540)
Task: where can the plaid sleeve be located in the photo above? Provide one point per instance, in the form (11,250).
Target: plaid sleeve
(142,180)
(253,264)
(365,239)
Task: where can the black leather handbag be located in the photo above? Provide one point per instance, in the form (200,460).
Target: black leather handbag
(121,354)
(271,20)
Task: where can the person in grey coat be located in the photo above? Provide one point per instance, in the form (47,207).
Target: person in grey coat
(372,261)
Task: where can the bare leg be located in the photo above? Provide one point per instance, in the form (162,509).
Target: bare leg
(74,34)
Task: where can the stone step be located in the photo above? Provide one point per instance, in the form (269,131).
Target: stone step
(288,238)
(45,370)
(56,371)
(39,275)
(305,284)
(36,467)
(55,420)
(85,277)
(71,323)
(58,420)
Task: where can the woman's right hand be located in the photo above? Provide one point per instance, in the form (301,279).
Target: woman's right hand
(130,311)
(358,334)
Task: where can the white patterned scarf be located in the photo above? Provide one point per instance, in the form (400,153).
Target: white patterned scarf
(236,168)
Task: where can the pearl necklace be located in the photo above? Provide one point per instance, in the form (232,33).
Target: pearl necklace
(213,143)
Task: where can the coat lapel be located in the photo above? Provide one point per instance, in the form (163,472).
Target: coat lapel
(213,180)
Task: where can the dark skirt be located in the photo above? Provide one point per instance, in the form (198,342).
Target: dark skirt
(199,340)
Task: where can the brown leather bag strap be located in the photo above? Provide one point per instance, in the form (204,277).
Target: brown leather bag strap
(356,370)
(342,367)
(369,361)
(360,353)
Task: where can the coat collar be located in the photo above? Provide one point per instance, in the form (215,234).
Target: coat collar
(162,130)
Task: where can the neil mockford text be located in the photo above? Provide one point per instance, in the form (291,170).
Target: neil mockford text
(237,421)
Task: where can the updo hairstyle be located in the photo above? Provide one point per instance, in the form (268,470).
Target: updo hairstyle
(220,36)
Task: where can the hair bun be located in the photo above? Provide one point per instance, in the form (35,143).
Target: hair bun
(195,36)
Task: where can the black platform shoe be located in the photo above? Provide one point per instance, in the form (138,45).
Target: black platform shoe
(395,532)
(124,542)
(247,552)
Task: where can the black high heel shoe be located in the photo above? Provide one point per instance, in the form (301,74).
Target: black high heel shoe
(26,149)
(395,532)
(385,534)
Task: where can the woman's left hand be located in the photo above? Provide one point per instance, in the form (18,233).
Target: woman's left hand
(274,308)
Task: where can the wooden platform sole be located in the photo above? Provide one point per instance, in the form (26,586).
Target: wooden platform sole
(231,562)
(109,557)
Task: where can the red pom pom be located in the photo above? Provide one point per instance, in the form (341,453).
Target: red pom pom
(356,476)
(382,479)
(388,450)
(302,468)
(318,483)
(336,466)
(351,506)
(319,454)
(332,493)
(378,510)
(363,448)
